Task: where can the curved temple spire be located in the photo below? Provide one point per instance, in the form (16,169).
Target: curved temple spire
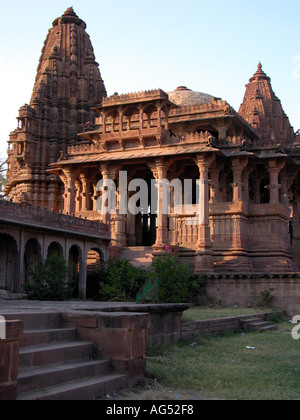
(263,110)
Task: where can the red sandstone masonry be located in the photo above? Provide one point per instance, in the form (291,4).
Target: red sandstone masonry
(9,360)
(121,337)
(214,326)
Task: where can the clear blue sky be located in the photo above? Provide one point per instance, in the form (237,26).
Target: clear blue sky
(209,46)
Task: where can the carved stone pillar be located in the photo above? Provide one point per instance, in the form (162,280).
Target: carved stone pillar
(86,185)
(245,186)
(120,225)
(204,258)
(274,169)
(141,122)
(120,121)
(105,175)
(274,185)
(70,191)
(284,198)
(162,217)
(238,165)
(160,171)
(214,185)
(131,218)
(95,197)
(159,109)
(78,199)
(109,172)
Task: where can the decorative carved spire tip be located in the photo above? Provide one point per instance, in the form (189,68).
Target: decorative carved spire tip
(259,66)
(70,11)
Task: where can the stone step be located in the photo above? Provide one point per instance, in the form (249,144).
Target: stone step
(83,390)
(55,353)
(47,336)
(35,379)
(37,320)
(259,324)
(258,319)
(269,328)
(54,365)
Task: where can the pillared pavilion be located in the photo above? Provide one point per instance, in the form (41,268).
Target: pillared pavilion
(72,135)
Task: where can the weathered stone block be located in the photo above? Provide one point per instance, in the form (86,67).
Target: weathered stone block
(9,360)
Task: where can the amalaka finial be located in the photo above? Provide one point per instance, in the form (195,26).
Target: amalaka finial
(259,66)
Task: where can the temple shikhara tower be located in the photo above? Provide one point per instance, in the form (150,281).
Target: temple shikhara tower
(68,85)
(71,135)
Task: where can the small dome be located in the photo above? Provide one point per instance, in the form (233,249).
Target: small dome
(183,96)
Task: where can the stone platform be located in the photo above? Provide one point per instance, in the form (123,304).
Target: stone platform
(116,332)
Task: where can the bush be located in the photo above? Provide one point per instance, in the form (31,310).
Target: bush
(120,281)
(176,282)
(49,281)
(263,300)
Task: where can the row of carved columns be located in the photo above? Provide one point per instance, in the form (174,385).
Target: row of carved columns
(124,117)
(241,172)
(209,174)
(159,168)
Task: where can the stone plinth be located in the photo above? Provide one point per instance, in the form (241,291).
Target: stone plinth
(9,360)
(121,337)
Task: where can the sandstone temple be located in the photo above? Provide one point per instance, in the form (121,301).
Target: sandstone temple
(71,135)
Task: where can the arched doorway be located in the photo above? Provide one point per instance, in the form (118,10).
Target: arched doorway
(8,262)
(95,265)
(32,257)
(75,264)
(94,260)
(54,248)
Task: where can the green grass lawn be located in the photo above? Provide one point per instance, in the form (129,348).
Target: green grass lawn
(223,368)
(202,313)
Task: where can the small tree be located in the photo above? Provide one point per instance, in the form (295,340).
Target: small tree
(49,281)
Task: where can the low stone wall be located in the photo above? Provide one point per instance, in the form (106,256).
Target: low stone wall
(165,325)
(215,326)
(243,289)
(122,333)
(121,337)
(9,360)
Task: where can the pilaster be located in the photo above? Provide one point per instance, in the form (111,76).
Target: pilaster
(204,253)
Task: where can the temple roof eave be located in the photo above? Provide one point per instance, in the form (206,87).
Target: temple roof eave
(105,157)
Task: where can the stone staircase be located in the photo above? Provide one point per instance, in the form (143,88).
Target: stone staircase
(138,256)
(56,365)
(258,323)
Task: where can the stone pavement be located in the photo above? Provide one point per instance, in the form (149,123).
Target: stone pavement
(13,306)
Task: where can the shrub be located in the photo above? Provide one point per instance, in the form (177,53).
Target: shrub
(49,281)
(177,283)
(121,281)
(263,300)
